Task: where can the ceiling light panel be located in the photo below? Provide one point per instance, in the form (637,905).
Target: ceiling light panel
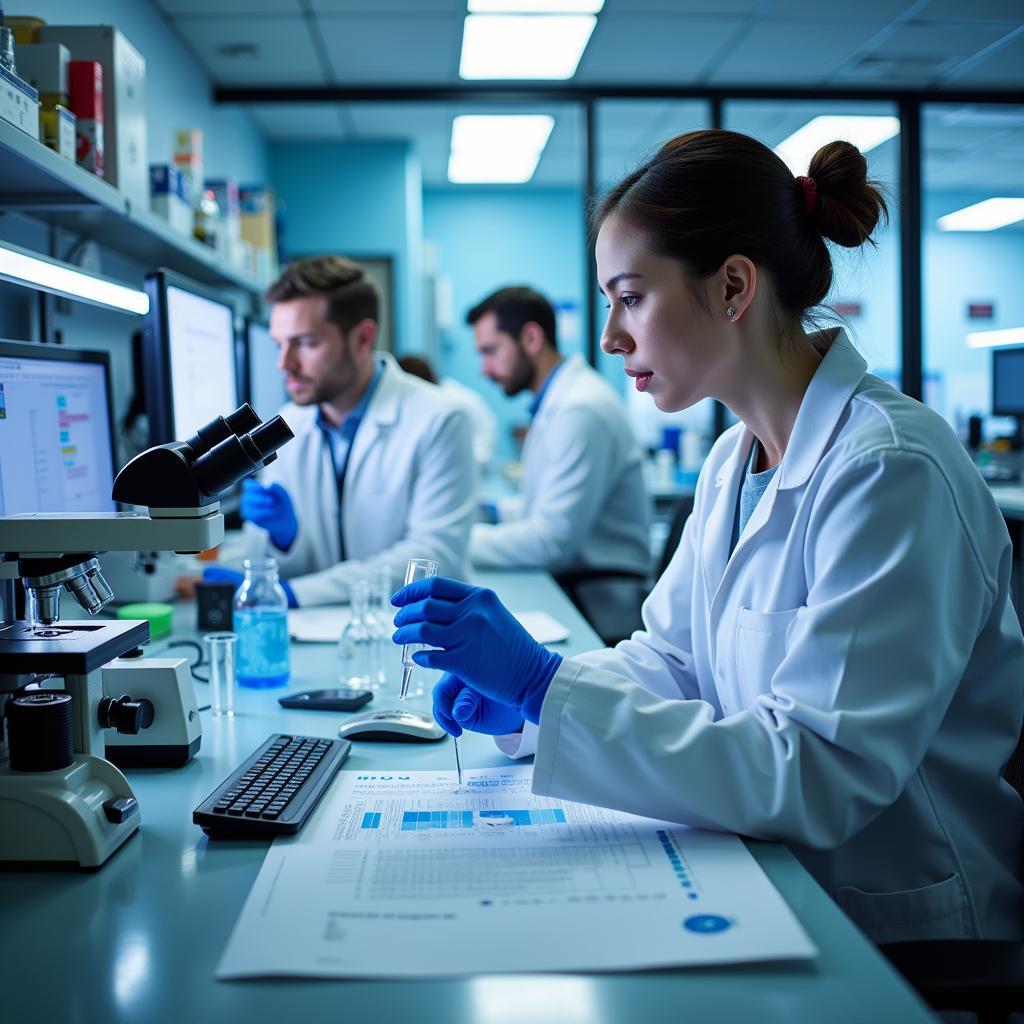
(864,132)
(996,339)
(535,6)
(523,46)
(501,132)
(497,148)
(984,216)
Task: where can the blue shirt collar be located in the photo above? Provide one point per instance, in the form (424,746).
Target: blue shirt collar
(350,424)
(539,397)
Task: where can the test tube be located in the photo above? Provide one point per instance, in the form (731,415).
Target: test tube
(417,569)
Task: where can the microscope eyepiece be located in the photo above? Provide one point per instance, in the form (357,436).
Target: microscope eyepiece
(193,473)
(236,457)
(241,421)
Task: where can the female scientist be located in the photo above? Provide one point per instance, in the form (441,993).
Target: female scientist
(831,659)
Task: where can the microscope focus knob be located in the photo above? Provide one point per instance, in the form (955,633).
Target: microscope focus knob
(125,715)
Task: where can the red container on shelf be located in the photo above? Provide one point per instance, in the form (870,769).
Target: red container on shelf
(85,79)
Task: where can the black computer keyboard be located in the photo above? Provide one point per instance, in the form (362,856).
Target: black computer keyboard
(274,790)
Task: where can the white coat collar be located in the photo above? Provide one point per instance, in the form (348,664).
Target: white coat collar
(560,385)
(383,409)
(834,382)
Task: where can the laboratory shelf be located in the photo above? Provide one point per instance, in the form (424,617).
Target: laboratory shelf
(37,182)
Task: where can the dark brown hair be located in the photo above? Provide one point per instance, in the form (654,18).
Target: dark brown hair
(418,366)
(707,195)
(514,307)
(351,295)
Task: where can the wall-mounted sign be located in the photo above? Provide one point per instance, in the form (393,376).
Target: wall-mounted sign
(981,310)
(848,308)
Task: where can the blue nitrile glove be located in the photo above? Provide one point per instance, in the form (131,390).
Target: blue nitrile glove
(271,508)
(222,574)
(457,705)
(480,642)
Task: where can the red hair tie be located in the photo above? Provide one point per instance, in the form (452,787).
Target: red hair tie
(810,187)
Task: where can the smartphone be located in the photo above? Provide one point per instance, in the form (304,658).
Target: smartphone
(327,700)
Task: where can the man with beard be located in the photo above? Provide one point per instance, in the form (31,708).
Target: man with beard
(381,469)
(584,510)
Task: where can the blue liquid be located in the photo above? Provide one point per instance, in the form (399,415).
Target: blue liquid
(262,647)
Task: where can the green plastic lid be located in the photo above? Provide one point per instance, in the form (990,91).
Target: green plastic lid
(158,615)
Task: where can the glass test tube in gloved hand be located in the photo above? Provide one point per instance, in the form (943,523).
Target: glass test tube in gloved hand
(417,569)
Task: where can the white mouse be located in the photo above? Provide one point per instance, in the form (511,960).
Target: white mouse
(395,725)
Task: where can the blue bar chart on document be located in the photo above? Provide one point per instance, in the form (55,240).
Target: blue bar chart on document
(499,879)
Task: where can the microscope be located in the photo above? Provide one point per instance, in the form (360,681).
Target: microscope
(60,799)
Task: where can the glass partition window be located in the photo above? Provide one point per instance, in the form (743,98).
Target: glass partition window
(973,252)
(866,283)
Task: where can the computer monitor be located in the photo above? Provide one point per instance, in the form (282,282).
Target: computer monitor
(190,359)
(265,390)
(56,430)
(1008,381)
(1008,387)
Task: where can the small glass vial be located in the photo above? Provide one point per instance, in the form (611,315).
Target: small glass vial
(261,622)
(356,661)
(381,616)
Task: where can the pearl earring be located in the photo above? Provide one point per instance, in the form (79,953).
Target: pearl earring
(730,312)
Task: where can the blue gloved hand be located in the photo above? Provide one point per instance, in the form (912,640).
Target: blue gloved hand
(457,705)
(222,574)
(271,508)
(481,642)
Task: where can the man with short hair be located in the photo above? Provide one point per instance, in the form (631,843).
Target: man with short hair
(584,505)
(381,469)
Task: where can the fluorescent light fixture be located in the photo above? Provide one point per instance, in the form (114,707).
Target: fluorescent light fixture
(535,6)
(523,45)
(994,339)
(864,132)
(493,168)
(23,267)
(509,132)
(984,216)
(497,148)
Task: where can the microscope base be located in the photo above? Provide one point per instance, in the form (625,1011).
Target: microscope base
(60,815)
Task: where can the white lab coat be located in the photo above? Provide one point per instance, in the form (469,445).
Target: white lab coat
(410,490)
(584,500)
(850,681)
(481,416)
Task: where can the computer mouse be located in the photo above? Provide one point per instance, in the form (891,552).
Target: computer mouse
(395,725)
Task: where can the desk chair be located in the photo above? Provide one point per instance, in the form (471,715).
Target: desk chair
(983,975)
(578,585)
(587,589)
(681,512)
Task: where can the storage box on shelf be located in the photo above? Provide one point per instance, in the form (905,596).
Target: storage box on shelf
(125,163)
(19,103)
(37,182)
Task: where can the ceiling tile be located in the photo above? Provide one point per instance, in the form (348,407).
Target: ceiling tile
(656,49)
(631,9)
(882,11)
(976,10)
(776,53)
(283,53)
(221,8)
(953,42)
(390,51)
(280,121)
(1004,69)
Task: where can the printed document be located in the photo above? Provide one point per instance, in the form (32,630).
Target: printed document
(398,875)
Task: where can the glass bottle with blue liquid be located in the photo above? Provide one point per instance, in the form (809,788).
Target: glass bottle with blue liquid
(261,622)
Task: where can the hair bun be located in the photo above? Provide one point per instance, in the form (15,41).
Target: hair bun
(849,203)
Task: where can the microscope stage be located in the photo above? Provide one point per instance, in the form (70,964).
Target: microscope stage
(68,647)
